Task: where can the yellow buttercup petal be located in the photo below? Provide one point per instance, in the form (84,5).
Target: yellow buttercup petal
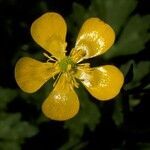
(62,103)
(103,83)
(49,31)
(95,38)
(31,74)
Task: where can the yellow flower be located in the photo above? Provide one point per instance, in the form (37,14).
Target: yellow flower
(94,38)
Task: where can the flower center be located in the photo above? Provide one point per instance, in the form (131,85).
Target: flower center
(66,64)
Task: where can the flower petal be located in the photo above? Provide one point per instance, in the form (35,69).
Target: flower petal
(103,83)
(31,74)
(95,38)
(49,31)
(62,103)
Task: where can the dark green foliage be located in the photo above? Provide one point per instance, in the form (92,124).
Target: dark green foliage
(132,40)
(115,12)
(6,96)
(20,113)
(13,130)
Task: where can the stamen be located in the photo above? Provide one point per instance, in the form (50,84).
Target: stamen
(73,81)
(85,66)
(50,58)
(57,79)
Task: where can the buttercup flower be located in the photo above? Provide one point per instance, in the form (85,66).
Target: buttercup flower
(94,38)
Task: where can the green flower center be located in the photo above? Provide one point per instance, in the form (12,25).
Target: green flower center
(66,64)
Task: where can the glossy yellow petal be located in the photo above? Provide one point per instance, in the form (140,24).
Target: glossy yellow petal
(103,83)
(31,74)
(62,103)
(95,38)
(49,31)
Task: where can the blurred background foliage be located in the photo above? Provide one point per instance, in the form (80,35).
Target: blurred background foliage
(122,123)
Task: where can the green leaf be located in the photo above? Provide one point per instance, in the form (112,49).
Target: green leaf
(78,11)
(6,96)
(9,145)
(133,38)
(13,129)
(117,12)
(88,116)
(133,102)
(109,11)
(127,70)
(118,113)
(140,70)
(98,8)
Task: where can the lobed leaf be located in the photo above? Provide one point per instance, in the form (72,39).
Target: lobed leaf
(133,38)
(109,10)
(6,96)
(13,131)
(140,70)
